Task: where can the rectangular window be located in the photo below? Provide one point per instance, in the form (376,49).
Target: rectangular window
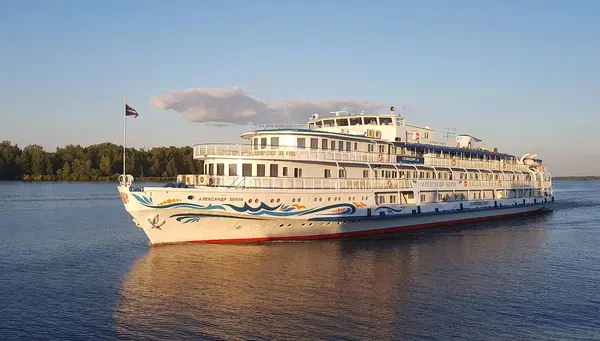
(274,169)
(297,172)
(247,169)
(348,146)
(314,143)
(341,145)
(342,174)
(275,142)
(355,145)
(342,122)
(211,169)
(263,143)
(260,170)
(220,169)
(385,121)
(285,171)
(365,173)
(232,169)
(324,143)
(255,144)
(327,173)
(301,142)
(332,145)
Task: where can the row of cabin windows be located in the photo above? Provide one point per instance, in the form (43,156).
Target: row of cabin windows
(343,146)
(247,170)
(326,144)
(388,174)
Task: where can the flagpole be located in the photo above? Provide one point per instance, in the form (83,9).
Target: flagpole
(124,131)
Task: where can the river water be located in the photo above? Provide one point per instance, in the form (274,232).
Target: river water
(73,266)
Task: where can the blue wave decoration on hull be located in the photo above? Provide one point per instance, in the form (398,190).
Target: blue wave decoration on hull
(263,209)
(395,210)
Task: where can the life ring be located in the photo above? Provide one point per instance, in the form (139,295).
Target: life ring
(453,162)
(504,165)
(417,135)
(389,183)
(201,179)
(466,183)
(379,157)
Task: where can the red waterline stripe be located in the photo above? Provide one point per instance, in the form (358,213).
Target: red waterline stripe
(366,233)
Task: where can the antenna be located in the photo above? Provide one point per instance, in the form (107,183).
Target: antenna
(449,133)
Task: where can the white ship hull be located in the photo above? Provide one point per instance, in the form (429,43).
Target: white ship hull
(195,215)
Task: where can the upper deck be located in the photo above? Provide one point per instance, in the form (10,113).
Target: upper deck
(368,138)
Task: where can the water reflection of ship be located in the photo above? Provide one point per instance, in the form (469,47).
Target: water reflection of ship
(361,289)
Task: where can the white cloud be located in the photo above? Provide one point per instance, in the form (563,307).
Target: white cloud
(235,106)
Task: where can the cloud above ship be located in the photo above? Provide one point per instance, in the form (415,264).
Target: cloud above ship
(235,106)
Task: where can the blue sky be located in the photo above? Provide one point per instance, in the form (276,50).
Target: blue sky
(522,75)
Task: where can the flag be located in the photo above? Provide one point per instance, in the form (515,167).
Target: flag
(129,111)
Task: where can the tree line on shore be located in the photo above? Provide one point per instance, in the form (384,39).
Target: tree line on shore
(95,162)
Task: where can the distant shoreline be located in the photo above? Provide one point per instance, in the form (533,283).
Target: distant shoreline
(100,179)
(586,178)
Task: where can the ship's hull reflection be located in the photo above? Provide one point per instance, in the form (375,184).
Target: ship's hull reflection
(361,289)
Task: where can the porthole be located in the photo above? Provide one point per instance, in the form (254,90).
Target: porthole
(294,200)
(299,199)
(250,201)
(190,197)
(315,199)
(329,199)
(289,225)
(281,225)
(256,201)
(278,200)
(272,201)
(320,199)
(309,224)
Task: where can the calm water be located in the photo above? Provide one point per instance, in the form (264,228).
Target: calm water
(74,266)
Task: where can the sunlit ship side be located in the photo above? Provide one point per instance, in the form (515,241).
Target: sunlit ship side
(340,176)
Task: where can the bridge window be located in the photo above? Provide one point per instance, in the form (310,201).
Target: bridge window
(260,170)
(319,124)
(301,142)
(263,143)
(275,142)
(232,169)
(385,121)
(255,144)
(328,123)
(342,122)
(356,121)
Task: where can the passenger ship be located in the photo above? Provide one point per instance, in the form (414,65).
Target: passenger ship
(344,175)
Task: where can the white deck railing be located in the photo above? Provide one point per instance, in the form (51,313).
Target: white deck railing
(308,154)
(356,183)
